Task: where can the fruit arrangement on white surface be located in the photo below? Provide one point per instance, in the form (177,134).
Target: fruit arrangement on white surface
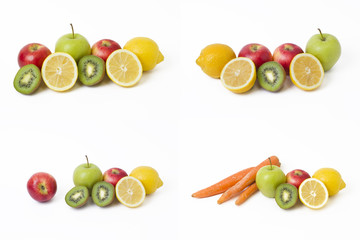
(102,188)
(74,59)
(271,181)
(255,62)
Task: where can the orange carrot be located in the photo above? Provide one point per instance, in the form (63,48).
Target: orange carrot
(221,186)
(244,195)
(247,180)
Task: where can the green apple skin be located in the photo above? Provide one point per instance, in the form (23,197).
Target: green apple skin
(327,49)
(74,44)
(87,175)
(268,178)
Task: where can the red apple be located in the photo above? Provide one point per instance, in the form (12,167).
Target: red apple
(113,175)
(296,177)
(284,53)
(258,53)
(104,48)
(33,53)
(42,186)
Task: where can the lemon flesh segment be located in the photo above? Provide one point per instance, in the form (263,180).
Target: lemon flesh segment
(239,75)
(306,71)
(59,71)
(130,192)
(313,193)
(124,68)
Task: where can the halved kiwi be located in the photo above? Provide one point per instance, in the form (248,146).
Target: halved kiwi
(286,195)
(91,70)
(103,193)
(271,76)
(77,196)
(27,79)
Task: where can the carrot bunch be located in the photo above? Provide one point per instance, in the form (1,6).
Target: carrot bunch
(241,184)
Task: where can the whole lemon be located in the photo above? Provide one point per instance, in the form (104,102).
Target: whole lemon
(331,178)
(214,57)
(146,50)
(149,177)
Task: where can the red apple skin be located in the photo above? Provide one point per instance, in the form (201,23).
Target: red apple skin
(33,53)
(42,186)
(258,53)
(113,175)
(104,48)
(296,177)
(285,53)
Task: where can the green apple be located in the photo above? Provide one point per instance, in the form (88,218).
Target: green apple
(87,175)
(268,178)
(326,48)
(74,44)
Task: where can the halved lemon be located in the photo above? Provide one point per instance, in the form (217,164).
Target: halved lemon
(124,68)
(59,71)
(306,71)
(313,193)
(239,75)
(130,192)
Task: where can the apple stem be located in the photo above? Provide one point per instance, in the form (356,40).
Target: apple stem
(270,163)
(72,29)
(322,37)
(87,160)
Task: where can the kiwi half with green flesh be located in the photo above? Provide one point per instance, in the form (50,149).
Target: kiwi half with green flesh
(286,195)
(103,193)
(91,70)
(27,79)
(271,76)
(77,196)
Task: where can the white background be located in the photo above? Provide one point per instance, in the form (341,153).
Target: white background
(179,121)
